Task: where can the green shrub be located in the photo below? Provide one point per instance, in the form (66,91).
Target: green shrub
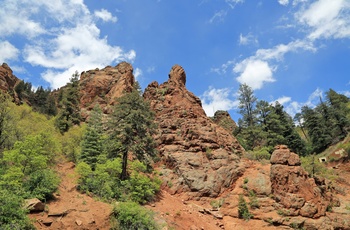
(41,184)
(253,200)
(142,188)
(243,211)
(132,216)
(12,215)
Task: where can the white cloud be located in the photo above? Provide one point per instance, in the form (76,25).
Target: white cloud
(327,19)
(137,73)
(283,100)
(293,107)
(8,52)
(258,69)
(105,15)
(233,3)
(218,16)
(217,99)
(254,73)
(283,2)
(61,36)
(248,39)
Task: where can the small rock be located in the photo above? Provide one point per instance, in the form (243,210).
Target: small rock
(34,205)
(78,222)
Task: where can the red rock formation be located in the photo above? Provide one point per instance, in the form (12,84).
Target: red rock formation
(104,86)
(293,188)
(201,157)
(8,81)
(224,119)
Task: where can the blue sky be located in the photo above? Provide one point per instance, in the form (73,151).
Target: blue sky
(286,50)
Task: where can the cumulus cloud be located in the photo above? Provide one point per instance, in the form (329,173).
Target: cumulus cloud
(217,99)
(105,15)
(258,69)
(8,52)
(326,19)
(254,73)
(60,36)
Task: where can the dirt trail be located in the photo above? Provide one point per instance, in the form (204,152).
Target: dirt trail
(71,209)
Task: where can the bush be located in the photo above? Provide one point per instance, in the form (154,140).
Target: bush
(12,215)
(142,188)
(41,184)
(243,211)
(132,216)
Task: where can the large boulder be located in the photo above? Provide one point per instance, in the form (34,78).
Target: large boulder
(203,157)
(293,188)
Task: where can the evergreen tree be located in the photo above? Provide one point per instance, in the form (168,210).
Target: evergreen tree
(339,109)
(131,128)
(246,105)
(91,147)
(317,129)
(69,114)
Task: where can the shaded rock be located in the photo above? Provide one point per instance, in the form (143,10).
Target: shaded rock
(34,205)
(203,156)
(47,221)
(224,119)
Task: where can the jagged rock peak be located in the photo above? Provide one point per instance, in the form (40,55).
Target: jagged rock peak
(224,119)
(125,67)
(104,86)
(177,75)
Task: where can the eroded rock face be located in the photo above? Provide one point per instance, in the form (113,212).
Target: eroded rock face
(200,156)
(105,86)
(292,187)
(8,81)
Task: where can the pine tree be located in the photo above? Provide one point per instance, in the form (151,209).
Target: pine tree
(69,114)
(91,147)
(131,128)
(246,105)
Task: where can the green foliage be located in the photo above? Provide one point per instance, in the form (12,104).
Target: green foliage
(12,215)
(243,211)
(130,130)
(131,216)
(142,189)
(104,181)
(41,184)
(253,200)
(92,142)
(260,154)
(264,125)
(69,114)
(7,124)
(312,165)
(70,142)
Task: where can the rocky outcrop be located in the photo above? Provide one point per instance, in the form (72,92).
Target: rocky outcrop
(8,81)
(104,86)
(200,156)
(224,119)
(292,187)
